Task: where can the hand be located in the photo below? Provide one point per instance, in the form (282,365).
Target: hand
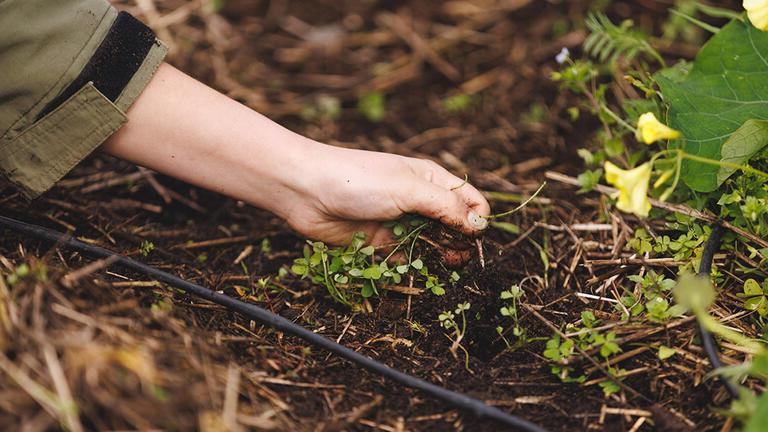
(355,190)
(182,128)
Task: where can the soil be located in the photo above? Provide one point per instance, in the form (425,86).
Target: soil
(273,56)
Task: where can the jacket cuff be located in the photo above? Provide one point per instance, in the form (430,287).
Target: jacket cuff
(87,111)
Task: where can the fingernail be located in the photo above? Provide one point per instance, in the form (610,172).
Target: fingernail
(476,221)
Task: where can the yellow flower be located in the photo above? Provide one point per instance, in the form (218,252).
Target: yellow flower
(633,187)
(650,129)
(757,11)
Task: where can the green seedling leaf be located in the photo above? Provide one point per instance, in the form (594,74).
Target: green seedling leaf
(454,277)
(727,86)
(552,350)
(437,290)
(457,103)
(418,264)
(657,308)
(614,147)
(588,319)
(589,179)
(666,352)
(367,251)
(752,288)
(749,139)
(587,156)
(609,387)
(755,297)
(373,272)
(299,267)
(506,226)
(372,106)
(367,290)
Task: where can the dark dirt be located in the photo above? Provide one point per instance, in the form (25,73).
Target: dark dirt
(251,52)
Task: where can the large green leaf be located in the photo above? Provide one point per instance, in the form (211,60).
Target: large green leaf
(727,86)
(759,419)
(749,139)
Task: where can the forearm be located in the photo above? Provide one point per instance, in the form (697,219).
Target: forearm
(186,130)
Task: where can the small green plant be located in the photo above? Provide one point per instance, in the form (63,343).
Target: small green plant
(448,321)
(653,298)
(265,246)
(355,271)
(608,42)
(37,270)
(373,106)
(755,296)
(146,247)
(457,103)
(586,337)
(512,298)
(558,350)
(21,271)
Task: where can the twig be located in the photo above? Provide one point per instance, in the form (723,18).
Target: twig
(419,45)
(214,242)
(160,189)
(71,278)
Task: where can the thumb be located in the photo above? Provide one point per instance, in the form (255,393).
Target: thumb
(436,202)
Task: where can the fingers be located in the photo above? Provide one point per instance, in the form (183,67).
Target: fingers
(437,202)
(476,207)
(473,197)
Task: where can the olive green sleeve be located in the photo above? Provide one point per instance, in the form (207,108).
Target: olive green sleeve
(46,125)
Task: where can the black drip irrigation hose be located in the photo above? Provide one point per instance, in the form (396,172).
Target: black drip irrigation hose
(459,400)
(711,246)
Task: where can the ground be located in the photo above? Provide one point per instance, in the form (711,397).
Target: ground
(133,354)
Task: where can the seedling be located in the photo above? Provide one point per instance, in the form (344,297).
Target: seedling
(586,337)
(373,106)
(38,270)
(512,297)
(146,247)
(448,321)
(755,296)
(355,271)
(655,290)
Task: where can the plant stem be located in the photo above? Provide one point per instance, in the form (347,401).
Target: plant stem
(744,168)
(523,204)
(329,283)
(404,239)
(618,118)
(710,28)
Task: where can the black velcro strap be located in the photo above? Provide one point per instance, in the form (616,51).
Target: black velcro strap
(115,61)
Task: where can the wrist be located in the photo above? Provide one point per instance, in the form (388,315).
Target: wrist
(281,178)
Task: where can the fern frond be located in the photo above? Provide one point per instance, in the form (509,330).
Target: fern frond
(608,41)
